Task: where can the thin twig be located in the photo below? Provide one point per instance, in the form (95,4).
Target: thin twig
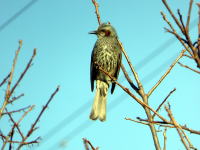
(147,122)
(173,16)
(166,73)
(16,124)
(188,56)
(154,122)
(166,124)
(96,5)
(24,72)
(188,140)
(11,138)
(131,66)
(129,79)
(188,17)
(165,139)
(38,118)
(181,19)
(16,98)
(25,143)
(86,142)
(15,111)
(7,95)
(189,46)
(178,127)
(5,79)
(176,35)
(164,101)
(185,66)
(141,122)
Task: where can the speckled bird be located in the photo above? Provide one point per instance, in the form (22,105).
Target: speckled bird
(107,55)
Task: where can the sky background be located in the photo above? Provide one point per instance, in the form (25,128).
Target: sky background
(59,31)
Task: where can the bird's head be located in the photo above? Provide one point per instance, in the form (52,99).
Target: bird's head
(105,30)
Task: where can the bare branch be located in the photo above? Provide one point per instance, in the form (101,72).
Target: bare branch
(141,122)
(5,79)
(132,68)
(7,95)
(178,127)
(15,111)
(165,139)
(188,56)
(185,66)
(16,124)
(24,72)
(16,98)
(181,19)
(177,36)
(96,5)
(166,73)
(38,118)
(170,125)
(164,101)
(129,79)
(189,46)
(173,16)
(188,17)
(86,142)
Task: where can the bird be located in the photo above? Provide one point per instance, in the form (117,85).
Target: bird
(107,55)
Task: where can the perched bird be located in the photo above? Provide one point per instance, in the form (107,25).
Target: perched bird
(107,55)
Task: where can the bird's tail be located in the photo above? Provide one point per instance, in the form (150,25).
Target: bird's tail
(99,105)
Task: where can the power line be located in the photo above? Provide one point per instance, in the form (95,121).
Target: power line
(17,14)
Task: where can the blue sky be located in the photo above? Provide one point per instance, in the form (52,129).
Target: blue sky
(59,31)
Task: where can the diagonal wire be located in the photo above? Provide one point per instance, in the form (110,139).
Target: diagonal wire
(17,14)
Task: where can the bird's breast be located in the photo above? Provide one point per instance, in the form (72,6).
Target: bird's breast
(105,56)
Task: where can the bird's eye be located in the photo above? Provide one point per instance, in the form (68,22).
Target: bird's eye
(106,32)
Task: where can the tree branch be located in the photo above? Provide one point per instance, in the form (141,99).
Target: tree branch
(188,17)
(96,5)
(129,79)
(164,101)
(4,80)
(185,66)
(86,142)
(178,127)
(8,94)
(38,118)
(166,73)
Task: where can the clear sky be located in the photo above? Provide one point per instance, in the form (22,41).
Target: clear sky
(59,31)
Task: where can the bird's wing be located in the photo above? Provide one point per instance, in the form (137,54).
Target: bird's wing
(117,71)
(92,71)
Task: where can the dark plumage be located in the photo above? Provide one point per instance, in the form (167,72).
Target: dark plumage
(106,54)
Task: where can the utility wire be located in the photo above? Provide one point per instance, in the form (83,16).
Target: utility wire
(17,14)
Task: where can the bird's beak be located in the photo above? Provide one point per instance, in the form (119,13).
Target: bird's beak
(93,32)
